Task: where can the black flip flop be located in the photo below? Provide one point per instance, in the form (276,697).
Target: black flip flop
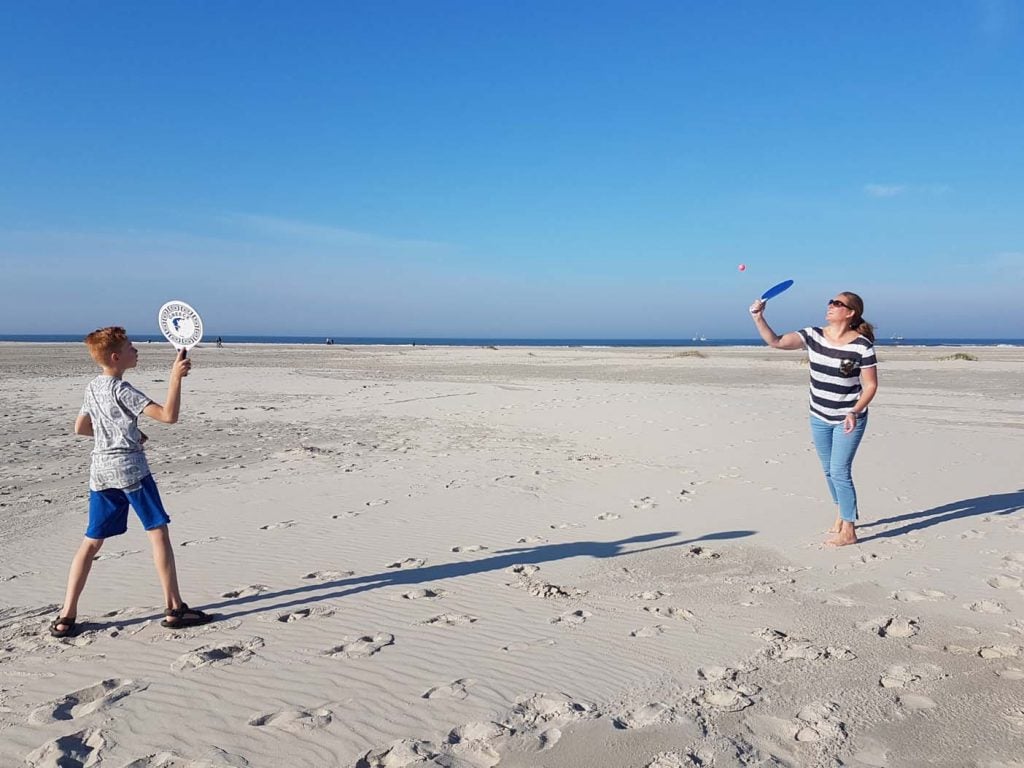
(69,626)
(182,619)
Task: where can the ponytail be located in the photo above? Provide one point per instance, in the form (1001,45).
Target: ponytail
(864,328)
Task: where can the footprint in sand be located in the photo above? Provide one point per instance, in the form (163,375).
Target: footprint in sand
(345,515)
(457,689)
(1014,561)
(842,600)
(653,631)
(521,646)
(1001,652)
(249,591)
(423,594)
(84,749)
(116,555)
(666,612)
(218,655)
(548,591)
(702,552)
(677,760)
(716,674)
(820,720)
(643,503)
(572,619)
(565,526)
(655,713)
(608,516)
(328,575)
(449,620)
(304,613)
(360,647)
(1011,673)
(531,540)
(900,676)
(785,648)
(986,606)
(727,697)
(470,548)
(276,526)
(213,757)
(409,562)
(656,594)
(971,533)
(85,701)
(293,719)
(207,540)
(916,702)
(891,626)
(1003,581)
(915,596)
(377,502)
(523,570)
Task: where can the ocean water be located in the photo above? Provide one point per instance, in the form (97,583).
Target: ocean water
(210,339)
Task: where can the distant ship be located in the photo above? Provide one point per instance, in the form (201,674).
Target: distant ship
(895,337)
(699,337)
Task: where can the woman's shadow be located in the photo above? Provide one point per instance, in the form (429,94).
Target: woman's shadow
(995,504)
(501,559)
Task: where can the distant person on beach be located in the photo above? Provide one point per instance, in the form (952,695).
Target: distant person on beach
(119,476)
(844,379)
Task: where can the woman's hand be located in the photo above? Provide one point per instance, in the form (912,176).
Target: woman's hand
(849,423)
(757,308)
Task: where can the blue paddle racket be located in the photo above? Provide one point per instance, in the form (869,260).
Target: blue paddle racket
(775,290)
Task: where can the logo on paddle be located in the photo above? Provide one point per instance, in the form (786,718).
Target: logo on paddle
(180,324)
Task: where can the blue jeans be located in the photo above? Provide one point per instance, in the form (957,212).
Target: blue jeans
(836,451)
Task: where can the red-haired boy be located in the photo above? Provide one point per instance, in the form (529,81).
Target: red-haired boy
(119,476)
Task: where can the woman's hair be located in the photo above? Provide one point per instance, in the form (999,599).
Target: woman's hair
(857,322)
(104,342)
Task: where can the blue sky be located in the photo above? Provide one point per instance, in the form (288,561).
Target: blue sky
(510,169)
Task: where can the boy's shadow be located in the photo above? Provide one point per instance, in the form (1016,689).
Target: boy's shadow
(313,593)
(996,504)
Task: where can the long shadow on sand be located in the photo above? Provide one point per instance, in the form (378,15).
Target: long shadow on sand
(996,504)
(313,593)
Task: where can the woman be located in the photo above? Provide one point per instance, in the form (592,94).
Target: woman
(844,379)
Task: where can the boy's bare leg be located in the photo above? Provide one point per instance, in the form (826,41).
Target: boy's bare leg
(163,559)
(77,576)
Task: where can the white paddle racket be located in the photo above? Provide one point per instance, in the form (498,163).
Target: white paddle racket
(181,325)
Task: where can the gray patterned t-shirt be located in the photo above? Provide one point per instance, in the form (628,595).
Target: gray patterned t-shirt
(118,460)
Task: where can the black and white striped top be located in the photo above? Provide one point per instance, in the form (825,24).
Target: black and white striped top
(835,373)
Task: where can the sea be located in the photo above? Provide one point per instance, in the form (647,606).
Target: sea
(210,340)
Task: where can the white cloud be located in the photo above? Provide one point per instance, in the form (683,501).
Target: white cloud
(885,190)
(894,190)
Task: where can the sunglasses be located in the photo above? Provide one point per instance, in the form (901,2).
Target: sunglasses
(838,303)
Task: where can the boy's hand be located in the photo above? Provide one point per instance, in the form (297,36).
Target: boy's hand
(144,436)
(182,365)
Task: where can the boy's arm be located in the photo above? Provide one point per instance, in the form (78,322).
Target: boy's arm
(168,412)
(83,425)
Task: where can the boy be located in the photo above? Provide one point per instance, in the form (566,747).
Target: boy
(119,475)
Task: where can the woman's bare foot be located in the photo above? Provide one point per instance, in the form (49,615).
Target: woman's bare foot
(837,526)
(845,536)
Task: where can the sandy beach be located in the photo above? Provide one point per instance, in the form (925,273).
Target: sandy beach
(522,557)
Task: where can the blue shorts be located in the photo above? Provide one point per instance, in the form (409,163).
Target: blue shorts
(108,510)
